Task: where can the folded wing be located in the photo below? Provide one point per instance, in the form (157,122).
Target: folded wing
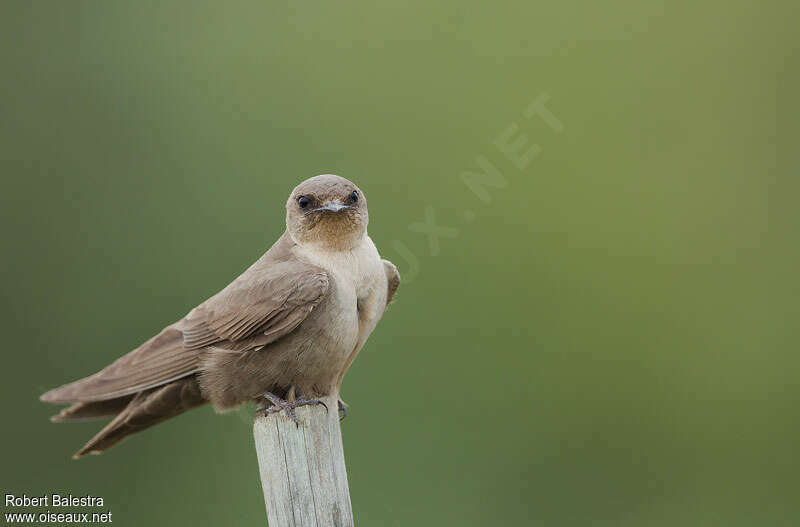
(157,361)
(258,308)
(252,313)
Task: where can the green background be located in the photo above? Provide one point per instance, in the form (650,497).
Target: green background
(611,340)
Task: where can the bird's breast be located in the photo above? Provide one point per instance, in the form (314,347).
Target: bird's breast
(354,281)
(355,272)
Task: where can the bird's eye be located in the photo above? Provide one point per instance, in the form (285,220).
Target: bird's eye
(354,196)
(303,202)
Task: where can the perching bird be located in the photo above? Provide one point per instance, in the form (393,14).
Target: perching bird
(286,330)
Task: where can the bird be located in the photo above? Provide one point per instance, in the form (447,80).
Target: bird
(283,333)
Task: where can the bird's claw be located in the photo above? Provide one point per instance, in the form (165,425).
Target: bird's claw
(279,404)
(342,409)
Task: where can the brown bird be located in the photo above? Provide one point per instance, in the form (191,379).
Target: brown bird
(285,331)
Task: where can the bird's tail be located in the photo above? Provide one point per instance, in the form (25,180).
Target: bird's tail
(136,412)
(85,411)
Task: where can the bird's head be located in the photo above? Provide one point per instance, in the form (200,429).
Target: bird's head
(328,211)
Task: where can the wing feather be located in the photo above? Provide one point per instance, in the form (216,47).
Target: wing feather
(159,360)
(392,280)
(261,311)
(261,306)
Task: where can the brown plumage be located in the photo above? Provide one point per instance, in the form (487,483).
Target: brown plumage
(295,319)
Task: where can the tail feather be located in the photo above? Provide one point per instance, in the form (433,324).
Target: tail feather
(144,410)
(92,410)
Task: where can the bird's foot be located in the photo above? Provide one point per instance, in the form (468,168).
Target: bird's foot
(342,409)
(279,404)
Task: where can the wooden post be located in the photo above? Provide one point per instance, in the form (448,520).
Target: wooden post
(302,468)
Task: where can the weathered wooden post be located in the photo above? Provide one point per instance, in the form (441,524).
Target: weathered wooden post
(302,467)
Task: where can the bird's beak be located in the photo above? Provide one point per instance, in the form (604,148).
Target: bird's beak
(331,206)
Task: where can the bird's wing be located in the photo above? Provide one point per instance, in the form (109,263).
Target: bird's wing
(256,309)
(393,280)
(159,360)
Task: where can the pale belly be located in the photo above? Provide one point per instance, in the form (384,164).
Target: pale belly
(332,333)
(353,308)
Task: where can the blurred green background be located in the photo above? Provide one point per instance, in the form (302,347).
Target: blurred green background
(611,340)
